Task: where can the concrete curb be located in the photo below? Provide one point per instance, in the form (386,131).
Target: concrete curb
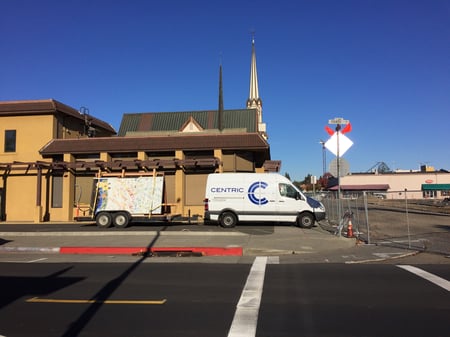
(384,258)
(122,233)
(52,250)
(201,251)
(198,251)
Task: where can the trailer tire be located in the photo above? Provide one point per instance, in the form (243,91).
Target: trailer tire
(228,220)
(103,219)
(306,220)
(121,219)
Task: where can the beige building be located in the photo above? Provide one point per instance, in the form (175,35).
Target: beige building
(52,153)
(28,179)
(425,184)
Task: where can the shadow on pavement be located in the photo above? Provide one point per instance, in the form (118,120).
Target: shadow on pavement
(103,294)
(15,287)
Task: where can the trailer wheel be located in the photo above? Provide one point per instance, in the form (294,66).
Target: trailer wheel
(228,220)
(121,220)
(103,219)
(305,220)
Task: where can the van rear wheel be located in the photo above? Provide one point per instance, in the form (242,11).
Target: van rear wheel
(228,220)
(305,220)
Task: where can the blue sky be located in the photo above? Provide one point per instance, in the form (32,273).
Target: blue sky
(383,64)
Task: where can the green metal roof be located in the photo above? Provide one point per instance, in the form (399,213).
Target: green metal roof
(173,121)
(435,187)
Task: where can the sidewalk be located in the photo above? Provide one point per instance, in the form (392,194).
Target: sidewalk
(291,244)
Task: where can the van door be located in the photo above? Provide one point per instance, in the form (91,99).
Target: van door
(289,203)
(260,201)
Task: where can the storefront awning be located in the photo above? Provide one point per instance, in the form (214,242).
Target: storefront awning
(435,187)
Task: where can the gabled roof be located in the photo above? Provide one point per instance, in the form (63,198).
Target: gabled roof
(191,124)
(46,107)
(192,142)
(173,121)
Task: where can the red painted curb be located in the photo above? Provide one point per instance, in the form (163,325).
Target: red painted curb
(206,251)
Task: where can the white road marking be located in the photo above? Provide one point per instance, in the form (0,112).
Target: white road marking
(401,241)
(246,316)
(441,282)
(26,261)
(387,255)
(37,260)
(273,260)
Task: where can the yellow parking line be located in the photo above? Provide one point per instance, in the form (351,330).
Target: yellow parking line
(50,300)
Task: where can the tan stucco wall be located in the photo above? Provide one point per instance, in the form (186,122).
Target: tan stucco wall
(21,198)
(32,133)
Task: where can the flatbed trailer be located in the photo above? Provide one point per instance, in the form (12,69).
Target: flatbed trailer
(119,200)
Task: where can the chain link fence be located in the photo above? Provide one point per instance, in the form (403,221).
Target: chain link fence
(391,218)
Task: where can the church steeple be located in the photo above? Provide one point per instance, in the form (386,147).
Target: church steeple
(253,96)
(254,101)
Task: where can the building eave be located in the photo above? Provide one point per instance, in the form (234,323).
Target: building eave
(192,142)
(48,107)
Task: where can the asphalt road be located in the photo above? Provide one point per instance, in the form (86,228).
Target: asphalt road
(141,299)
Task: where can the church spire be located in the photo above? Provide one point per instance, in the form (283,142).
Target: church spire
(254,101)
(254,92)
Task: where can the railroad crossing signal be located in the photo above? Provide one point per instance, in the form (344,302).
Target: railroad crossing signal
(338,144)
(338,120)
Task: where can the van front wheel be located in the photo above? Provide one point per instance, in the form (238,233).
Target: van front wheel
(305,220)
(228,220)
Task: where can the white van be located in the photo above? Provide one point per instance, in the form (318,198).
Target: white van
(234,197)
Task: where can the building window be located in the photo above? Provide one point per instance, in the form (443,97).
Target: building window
(10,140)
(57,190)
(429,194)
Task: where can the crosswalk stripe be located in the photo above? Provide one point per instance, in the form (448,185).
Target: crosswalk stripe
(246,316)
(441,282)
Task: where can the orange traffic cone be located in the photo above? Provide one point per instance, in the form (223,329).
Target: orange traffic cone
(350,229)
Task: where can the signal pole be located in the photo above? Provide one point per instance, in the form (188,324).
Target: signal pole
(338,121)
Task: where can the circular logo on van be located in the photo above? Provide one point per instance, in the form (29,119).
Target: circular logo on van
(254,195)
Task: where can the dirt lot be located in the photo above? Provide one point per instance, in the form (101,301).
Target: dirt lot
(415,224)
